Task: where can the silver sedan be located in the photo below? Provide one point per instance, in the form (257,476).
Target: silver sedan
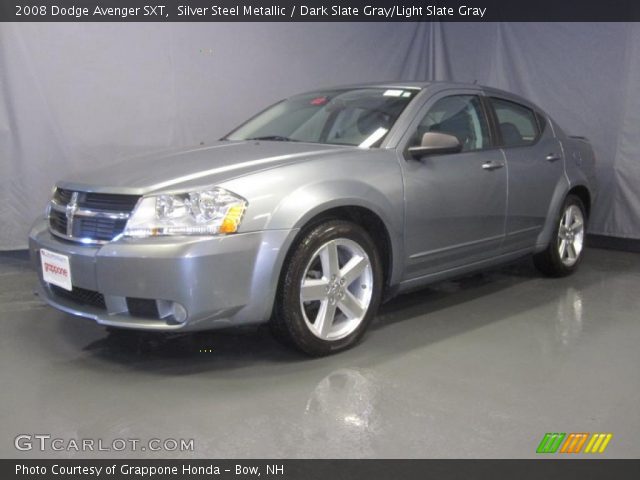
(316,210)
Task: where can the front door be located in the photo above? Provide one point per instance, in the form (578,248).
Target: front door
(455,203)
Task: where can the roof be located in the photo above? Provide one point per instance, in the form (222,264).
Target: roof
(439,85)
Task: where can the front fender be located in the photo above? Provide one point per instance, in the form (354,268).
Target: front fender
(305,203)
(288,198)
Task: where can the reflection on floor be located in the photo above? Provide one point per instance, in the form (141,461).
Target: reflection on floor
(478,367)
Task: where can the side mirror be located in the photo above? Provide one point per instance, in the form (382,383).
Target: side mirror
(436,143)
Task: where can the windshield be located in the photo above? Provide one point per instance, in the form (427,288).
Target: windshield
(359,117)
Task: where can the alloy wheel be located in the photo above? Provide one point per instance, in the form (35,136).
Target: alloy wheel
(571,235)
(336,289)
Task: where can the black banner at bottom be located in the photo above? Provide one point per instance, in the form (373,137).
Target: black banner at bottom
(543,468)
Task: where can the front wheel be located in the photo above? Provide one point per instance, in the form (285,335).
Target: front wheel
(564,252)
(330,289)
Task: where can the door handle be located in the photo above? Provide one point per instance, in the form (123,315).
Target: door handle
(552,157)
(492,165)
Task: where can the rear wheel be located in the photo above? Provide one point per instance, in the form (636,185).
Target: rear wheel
(330,289)
(564,252)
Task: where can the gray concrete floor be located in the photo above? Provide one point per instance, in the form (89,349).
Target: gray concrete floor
(480,367)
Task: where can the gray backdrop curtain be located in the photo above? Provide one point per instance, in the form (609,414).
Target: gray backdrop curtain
(73,96)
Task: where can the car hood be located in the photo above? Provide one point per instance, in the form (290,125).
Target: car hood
(196,167)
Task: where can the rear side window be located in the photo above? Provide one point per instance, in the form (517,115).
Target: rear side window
(518,124)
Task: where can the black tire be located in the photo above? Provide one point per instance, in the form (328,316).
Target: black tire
(549,261)
(288,320)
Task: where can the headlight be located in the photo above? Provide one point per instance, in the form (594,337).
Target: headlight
(205,212)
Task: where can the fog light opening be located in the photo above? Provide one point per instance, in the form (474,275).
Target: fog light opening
(179,313)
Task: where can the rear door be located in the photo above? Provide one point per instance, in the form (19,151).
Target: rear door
(534,157)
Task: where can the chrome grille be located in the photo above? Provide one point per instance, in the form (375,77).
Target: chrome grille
(58,221)
(62,196)
(101,201)
(89,217)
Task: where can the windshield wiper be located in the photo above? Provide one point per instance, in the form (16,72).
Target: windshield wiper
(275,138)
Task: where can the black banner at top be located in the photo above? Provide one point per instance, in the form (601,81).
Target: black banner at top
(317,10)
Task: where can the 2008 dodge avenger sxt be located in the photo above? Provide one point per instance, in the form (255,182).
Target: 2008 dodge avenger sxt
(315,210)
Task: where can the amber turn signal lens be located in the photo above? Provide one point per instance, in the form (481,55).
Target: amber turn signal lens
(232,219)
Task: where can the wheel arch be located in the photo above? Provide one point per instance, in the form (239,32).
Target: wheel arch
(582,192)
(364,217)
(563,190)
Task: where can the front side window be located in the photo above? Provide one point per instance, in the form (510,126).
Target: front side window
(517,123)
(359,117)
(458,115)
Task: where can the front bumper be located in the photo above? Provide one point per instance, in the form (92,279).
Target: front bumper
(220,281)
